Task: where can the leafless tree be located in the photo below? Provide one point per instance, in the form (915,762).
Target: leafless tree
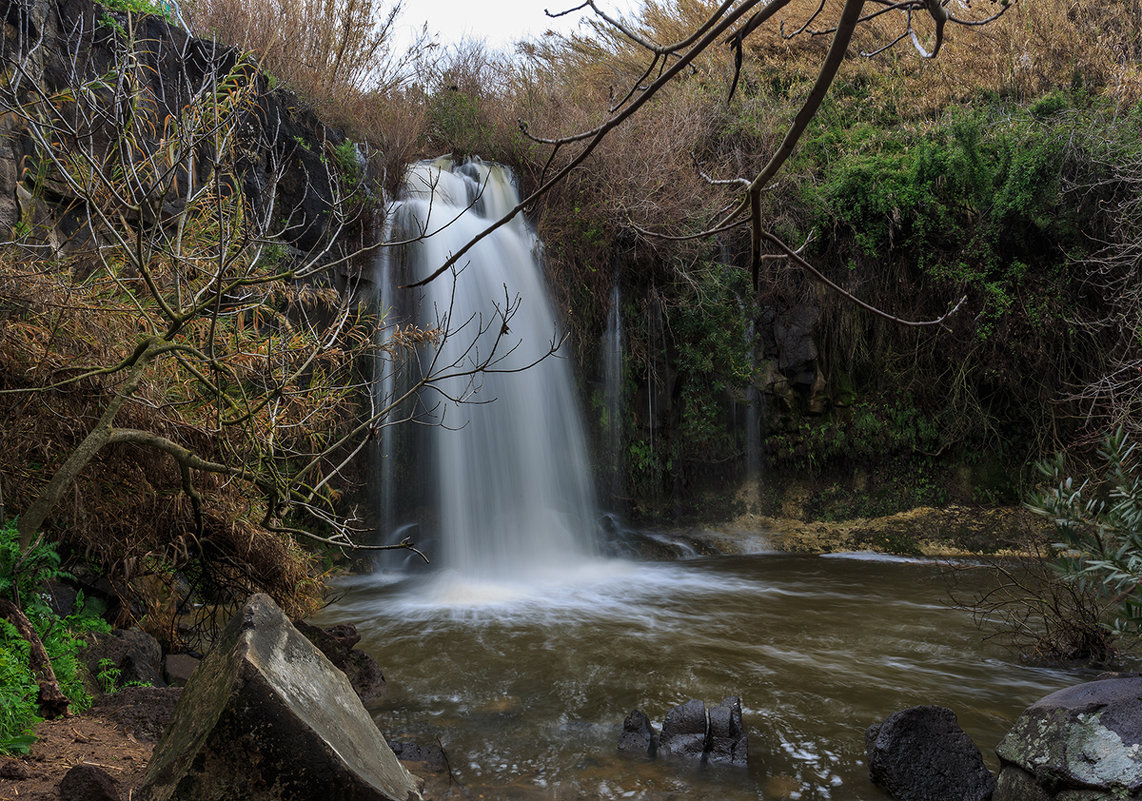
(1113,399)
(160,297)
(730,25)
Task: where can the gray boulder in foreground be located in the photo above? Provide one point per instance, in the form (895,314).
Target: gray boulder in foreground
(922,754)
(266,717)
(1082,743)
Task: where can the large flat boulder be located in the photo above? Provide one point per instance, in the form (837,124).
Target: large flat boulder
(266,717)
(337,643)
(1080,742)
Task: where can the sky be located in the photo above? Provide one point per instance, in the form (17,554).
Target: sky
(498,22)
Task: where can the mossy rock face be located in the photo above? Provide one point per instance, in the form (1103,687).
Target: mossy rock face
(1081,742)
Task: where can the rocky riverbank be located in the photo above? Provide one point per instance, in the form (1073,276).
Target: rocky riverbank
(925,531)
(118,734)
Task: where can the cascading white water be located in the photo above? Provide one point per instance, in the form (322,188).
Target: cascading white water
(612,357)
(499,486)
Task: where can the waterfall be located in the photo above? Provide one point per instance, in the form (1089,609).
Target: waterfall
(752,413)
(498,484)
(612,358)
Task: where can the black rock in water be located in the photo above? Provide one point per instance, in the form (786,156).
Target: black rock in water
(921,754)
(431,757)
(727,741)
(691,733)
(639,736)
(684,732)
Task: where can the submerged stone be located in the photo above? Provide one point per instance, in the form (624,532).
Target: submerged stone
(639,736)
(266,717)
(1080,742)
(921,754)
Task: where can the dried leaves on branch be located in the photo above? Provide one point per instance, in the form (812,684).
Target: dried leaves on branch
(187,337)
(727,29)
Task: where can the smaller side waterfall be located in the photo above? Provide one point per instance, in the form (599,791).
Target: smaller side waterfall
(612,358)
(752,414)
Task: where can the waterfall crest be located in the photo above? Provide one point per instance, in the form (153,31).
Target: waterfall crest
(498,484)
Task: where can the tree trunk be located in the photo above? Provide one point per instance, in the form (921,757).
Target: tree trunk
(32,518)
(53,703)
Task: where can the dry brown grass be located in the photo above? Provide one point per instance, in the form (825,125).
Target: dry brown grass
(328,50)
(642,173)
(127,511)
(338,56)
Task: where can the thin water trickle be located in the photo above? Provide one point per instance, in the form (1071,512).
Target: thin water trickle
(612,358)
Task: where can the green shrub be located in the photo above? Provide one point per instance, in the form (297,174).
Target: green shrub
(17,693)
(1100,526)
(708,330)
(157,8)
(22,581)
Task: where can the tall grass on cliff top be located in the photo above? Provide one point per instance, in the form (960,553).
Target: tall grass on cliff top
(562,84)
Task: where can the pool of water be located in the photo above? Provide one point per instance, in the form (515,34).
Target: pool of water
(526,682)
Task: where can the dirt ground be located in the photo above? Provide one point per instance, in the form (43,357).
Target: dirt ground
(89,739)
(117,735)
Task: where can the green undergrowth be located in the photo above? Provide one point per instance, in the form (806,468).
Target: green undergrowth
(993,201)
(22,579)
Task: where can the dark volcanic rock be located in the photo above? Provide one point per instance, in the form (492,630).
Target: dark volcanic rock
(178,668)
(921,754)
(1083,742)
(691,733)
(88,783)
(266,717)
(430,756)
(79,43)
(639,736)
(727,741)
(796,351)
(142,711)
(136,654)
(11,769)
(684,732)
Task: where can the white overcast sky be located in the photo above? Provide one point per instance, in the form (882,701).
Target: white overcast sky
(498,22)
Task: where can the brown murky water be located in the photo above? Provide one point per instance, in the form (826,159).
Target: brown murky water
(526,683)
